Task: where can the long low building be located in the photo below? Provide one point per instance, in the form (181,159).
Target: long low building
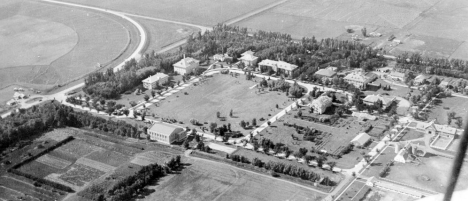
(360,79)
(152,81)
(281,67)
(166,133)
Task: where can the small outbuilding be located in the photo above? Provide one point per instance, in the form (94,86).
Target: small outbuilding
(361,139)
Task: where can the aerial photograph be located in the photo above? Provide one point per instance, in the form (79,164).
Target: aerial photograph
(233,100)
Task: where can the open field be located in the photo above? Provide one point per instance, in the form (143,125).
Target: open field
(221,93)
(31,41)
(68,34)
(359,191)
(411,134)
(162,34)
(374,169)
(430,27)
(204,180)
(13,188)
(431,174)
(202,12)
(354,191)
(453,104)
(147,158)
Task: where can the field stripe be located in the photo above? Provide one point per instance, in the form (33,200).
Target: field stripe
(53,161)
(95,164)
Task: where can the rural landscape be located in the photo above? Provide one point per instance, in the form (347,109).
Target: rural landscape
(317,100)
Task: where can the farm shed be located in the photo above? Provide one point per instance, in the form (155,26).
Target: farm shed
(361,139)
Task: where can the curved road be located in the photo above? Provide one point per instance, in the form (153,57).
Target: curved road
(61,96)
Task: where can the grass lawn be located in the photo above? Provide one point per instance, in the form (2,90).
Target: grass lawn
(387,155)
(221,93)
(411,134)
(353,192)
(453,104)
(162,33)
(13,186)
(431,174)
(202,12)
(206,180)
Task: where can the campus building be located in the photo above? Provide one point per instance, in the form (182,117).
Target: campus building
(280,67)
(321,104)
(248,58)
(186,65)
(152,81)
(397,76)
(326,72)
(166,133)
(359,79)
(372,99)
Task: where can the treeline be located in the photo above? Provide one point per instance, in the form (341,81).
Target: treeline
(127,188)
(309,54)
(38,119)
(286,169)
(110,85)
(435,66)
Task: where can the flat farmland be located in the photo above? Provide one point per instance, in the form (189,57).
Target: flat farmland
(221,93)
(76,41)
(434,28)
(202,12)
(431,174)
(162,34)
(453,104)
(206,180)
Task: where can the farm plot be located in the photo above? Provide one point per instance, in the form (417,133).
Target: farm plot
(79,174)
(53,161)
(95,164)
(206,180)
(221,93)
(13,187)
(147,158)
(108,157)
(77,148)
(39,169)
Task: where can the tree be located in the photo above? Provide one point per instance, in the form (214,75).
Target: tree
(230,113)
(132,103)
(254,122)
(242,123)
(146,97)
(153,93)
(213,125)
(450,116)
(364,32)
(459,122)
(299,113)
(218,114)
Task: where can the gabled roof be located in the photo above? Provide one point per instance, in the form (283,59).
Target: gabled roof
(286,65)
(155,78)
(248,57)
(325,72)
(165,129)
(361,138)
(249,52)
(267,62)
(421,78)
(186,62)
(357,76)
(373,98)
(441,128)
(322,100)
